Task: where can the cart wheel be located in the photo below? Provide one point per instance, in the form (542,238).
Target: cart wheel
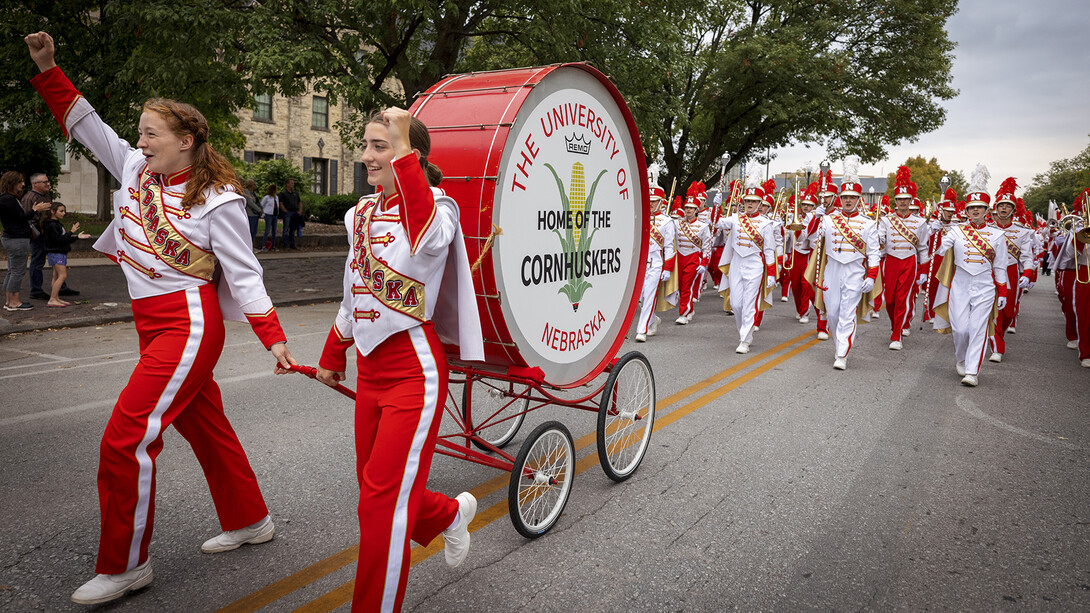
(626,416)
(488,398)
(541,479)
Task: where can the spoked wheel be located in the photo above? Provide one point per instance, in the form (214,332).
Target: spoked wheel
(498,409)
(541,479)
(626,416)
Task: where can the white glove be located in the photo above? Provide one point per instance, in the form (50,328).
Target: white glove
(770,281)
(868,285)
(1031,284)
(665,275)
(819,210)
(718,199)
(701,270)
(1002,304)
(922,279)
(1023,282)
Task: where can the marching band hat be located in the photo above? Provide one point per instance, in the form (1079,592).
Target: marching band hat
(1006,192)
(828,188)
(950,199)
(657,193)
(903,186)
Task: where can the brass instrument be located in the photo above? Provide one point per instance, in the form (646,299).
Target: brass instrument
(1080,237)
(794,226)
(777,207)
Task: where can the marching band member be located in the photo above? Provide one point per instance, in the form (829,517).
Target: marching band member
(829,203)
(799,254)
(403,298)
(694,250)
(765,211)
(937,226)
(848,266)
(178,217)
(1062,251)
(1080,249)
(1020,271)
(904,237)
(748,264)
(973,281)
(660,265)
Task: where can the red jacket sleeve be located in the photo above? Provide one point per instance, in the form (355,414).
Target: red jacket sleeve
(58,92)
(267,328)
(417,206)
(333,354)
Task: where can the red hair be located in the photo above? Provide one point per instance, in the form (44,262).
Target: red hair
(210,169)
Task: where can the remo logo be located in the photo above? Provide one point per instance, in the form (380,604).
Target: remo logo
(569,210)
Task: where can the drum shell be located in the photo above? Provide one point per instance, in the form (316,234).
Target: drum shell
(472,119)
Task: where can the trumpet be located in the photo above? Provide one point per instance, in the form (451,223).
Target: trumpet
(1079,239)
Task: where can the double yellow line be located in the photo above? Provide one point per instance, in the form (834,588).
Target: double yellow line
(343,594)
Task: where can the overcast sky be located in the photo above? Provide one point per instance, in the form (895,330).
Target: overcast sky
(1023,73)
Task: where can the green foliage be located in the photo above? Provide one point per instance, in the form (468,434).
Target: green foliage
(28,153)
(1064,180)
(926,174)
(329,209)
(274,172)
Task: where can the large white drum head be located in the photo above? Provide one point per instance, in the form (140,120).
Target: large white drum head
(570,204)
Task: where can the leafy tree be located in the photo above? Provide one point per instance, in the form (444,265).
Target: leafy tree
(926,174)
(854,75)
(274,172)
(23,151)
(1064,181)
(119,54)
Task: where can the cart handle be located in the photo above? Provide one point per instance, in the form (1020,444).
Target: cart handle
(312,372)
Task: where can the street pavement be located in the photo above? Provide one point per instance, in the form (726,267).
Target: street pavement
(772,482)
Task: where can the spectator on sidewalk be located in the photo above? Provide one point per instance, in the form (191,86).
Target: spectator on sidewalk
(291,210)
(58,242)
(16,236)
(269,206)
(39,192)
(253,208)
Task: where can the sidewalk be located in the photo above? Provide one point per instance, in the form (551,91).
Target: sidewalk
(298,277)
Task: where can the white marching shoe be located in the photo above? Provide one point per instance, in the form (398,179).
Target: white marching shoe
(874,314)
(896,345)
(689,317)
(906,332)
(743,347)
(261,532)
(1085,363)
(804,320)
(756,328)
(783,298)
(960,368)
(995,357)
(1072,344)
(653,327)
(456,539)
(969,381)
(681,321)
(1011,330)
(840,363)
(823,336)
(104,588)
(641,338)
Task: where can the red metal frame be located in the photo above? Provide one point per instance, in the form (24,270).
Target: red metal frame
(537,395)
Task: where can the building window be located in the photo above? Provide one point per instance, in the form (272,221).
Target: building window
(62,154)
(263,107)
(319,174)
(319,116)
(262,156)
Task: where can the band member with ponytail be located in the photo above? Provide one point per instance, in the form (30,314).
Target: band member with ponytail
(179,221)
(407,291)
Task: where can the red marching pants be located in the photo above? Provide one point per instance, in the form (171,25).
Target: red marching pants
(402,388)
(1082,313)
(181,338)
(1065,285)
(1006,316)
(713,270)
(689,282)
(898,280)
(933,287)
(801,289)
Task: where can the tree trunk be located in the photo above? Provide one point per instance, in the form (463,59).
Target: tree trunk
(102,212)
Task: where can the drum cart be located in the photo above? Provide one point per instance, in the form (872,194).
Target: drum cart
(493,406)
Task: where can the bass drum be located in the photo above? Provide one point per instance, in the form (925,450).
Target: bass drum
(549,173)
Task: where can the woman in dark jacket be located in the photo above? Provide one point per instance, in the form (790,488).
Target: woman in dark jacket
(16,237)
(58,242)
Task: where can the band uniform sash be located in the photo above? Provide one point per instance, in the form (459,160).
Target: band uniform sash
(903,230)
(1012,248)
(687,230)
(842,226)
(169,245)
(398,292)
(656,235)
(751,230)
(978,242)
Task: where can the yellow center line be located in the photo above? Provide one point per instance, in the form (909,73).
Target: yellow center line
(343,594)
